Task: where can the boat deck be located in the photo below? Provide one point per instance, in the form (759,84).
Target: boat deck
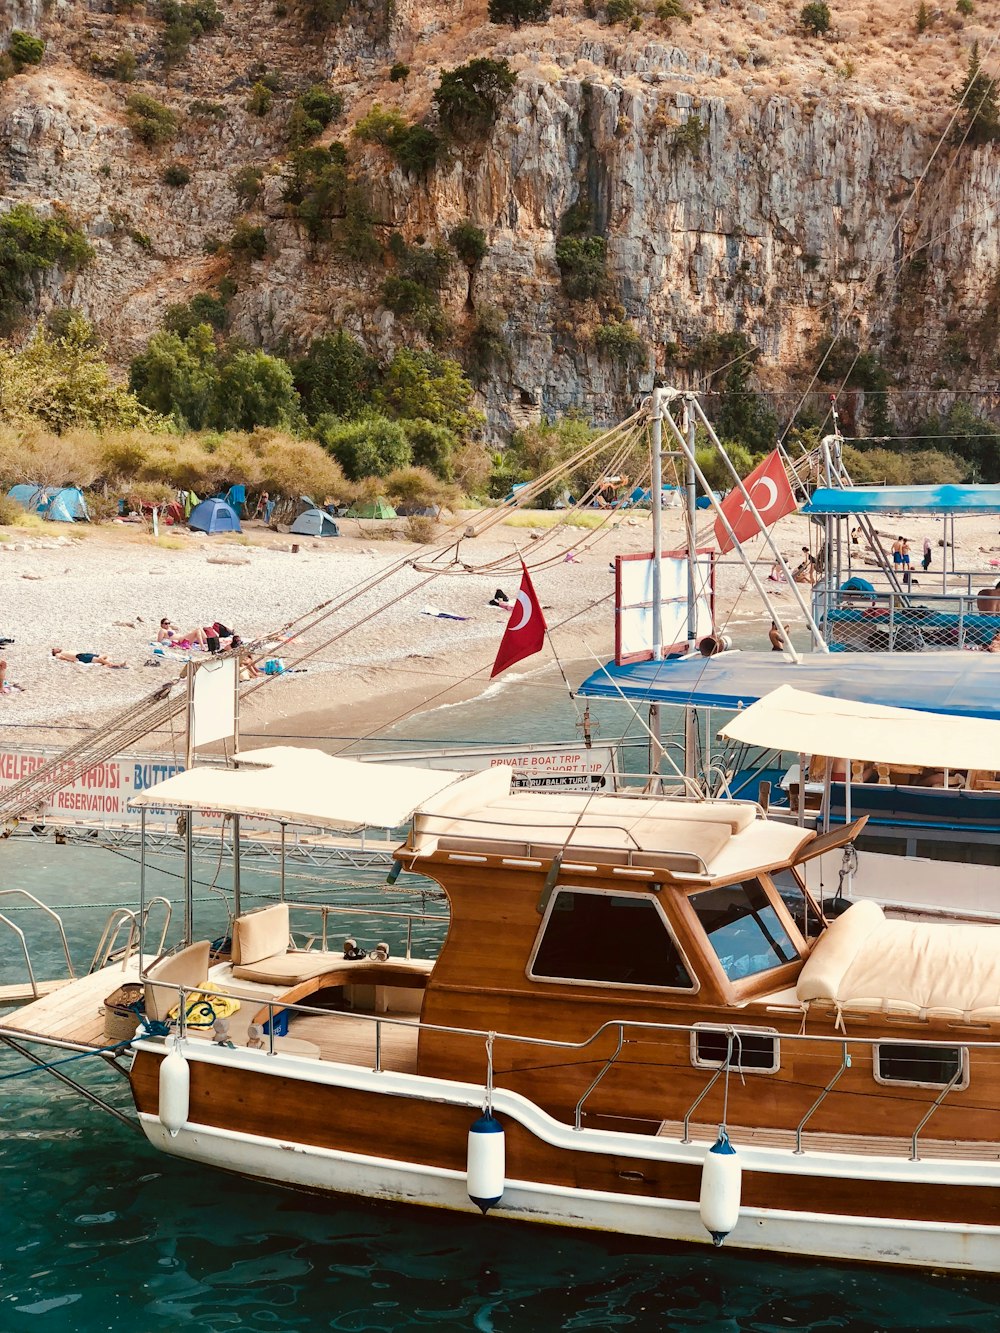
(73,1015)
(860,1145)
(351,1039)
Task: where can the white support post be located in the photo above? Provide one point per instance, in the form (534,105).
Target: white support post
(656,480)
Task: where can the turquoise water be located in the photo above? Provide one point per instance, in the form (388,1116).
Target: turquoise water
(103,1235)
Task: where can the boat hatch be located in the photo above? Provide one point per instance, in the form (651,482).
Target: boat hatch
(829,842)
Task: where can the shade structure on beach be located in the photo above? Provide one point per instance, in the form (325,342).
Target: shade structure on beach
(214,516)
(904,500)
(963,684)
(315,523)
(795,720)
(305,786)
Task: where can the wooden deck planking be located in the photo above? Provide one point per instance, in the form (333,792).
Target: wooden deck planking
(73,1013)
(350,1039)
(23,994)
(860,1145)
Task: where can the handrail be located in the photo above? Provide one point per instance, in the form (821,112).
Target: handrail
(107,945)
(845,1064)
(4,893)
(607,1065)
(328,909)
(722,1069)
(937,1102)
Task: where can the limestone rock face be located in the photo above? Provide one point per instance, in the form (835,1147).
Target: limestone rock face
(786,215)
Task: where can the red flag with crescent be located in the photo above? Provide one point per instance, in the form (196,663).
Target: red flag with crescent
(771,496)
(525,632)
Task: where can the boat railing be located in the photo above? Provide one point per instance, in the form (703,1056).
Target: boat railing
(22,939)
(326,910)
(619,1029)
(108,948)
(889,622)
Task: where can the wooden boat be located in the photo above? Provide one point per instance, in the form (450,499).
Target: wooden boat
(638,1022)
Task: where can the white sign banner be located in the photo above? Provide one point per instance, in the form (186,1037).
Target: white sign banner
(543,768)
(634,638)
(101,794)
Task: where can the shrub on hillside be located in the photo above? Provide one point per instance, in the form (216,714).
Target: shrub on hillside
(312,111)
(150,121)
(203,308)
(176,175)
(185,22)
(248,241)
(420,384)
(469,243)
(247,184)
(622,343)
(317,188)
(399,73)
(519,11)
(416,148)
(24,49)
(582,265)
(260,100)
(815,17)
(30,246)
(468,99)
(977,118)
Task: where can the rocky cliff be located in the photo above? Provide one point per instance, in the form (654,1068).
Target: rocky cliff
(816,193)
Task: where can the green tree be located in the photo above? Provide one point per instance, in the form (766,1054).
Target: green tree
(469,243)
(61,380)
(373,446)
(203,308)
(312,112)
(519,11)
(582,264)
(178,377)
(423,384)
(468,99)
(541,447)
(336,376)
(30,246)
(255,389)
(433,446)
(978,116)
(815,17)
(317,188)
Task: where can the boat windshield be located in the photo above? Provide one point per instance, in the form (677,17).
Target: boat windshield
(744,929)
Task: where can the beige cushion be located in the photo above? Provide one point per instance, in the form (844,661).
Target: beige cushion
(288,968)
(835,951)
(866,964)
(188,967)
(260,934)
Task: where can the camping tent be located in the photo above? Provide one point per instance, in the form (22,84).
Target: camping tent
(66,506)
(375,509)
(315,523)
(214,516)
(28,497)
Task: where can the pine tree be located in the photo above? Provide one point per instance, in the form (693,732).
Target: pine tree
(978,119)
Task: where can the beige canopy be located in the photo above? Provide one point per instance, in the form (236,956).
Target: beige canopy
(304,786)
(803,723)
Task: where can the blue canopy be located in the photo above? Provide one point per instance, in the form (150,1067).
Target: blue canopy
(966,684)
(905,500)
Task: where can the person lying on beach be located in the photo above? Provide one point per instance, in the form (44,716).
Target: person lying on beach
(101,659)
(7,686)
(169,634)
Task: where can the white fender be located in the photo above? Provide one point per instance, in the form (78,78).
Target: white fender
(486,1162)
(721,1187)
(175,1090)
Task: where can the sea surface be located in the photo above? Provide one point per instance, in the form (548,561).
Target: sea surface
(100,1234)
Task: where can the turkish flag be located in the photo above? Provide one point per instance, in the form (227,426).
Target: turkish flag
(772,497)
(525,632)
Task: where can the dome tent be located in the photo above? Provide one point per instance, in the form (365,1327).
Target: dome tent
(315,523)
(214,516)
(372,509)
(29,497)
(66,506)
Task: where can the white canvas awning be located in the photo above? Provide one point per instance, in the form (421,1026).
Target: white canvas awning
(304,786)
(802,723)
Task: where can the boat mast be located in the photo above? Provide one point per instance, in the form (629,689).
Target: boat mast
(656,498)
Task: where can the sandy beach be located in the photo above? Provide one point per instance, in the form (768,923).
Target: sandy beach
(377,658)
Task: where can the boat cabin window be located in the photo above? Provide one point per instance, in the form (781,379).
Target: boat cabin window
(921,1066)
(752,1052)
(615,939)
(800,907)
(744,929)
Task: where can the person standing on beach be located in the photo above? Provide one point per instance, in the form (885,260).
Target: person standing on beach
(925,563)
(904,555)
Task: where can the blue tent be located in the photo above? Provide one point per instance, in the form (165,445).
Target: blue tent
(214,516)
(315,523)
(29,497)
(67,506)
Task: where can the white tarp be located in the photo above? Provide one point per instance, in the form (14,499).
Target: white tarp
(803,723)
(214,710)
(304,786)
(635,609)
